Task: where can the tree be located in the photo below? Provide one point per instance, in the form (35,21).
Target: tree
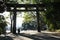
(52,13)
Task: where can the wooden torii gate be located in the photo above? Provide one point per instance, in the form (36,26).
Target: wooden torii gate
(38,7)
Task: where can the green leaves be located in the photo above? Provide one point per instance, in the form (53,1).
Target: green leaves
(28,17)
(3,24)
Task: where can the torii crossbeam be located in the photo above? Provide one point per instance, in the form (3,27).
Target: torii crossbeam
(26,6)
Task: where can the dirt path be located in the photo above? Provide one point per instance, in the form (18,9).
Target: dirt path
(31,35)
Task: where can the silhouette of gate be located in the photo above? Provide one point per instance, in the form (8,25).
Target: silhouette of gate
(15,8)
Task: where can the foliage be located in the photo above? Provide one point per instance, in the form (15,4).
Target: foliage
(52,16)
(3,24)
(29,16)
(29,26)
(29,20)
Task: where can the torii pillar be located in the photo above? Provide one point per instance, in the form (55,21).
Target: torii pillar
(14,21)
(38,17)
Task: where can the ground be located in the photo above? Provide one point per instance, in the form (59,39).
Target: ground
(31,35)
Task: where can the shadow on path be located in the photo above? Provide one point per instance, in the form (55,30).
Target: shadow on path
(5,38)
(38,37)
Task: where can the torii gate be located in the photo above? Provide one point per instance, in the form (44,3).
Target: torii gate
(26,6)
(35,7)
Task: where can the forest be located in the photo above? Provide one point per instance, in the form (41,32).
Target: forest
(50,16)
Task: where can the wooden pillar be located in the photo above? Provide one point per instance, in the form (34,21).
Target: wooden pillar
(14,21)
(38,24)
(11,17)
(11,26)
